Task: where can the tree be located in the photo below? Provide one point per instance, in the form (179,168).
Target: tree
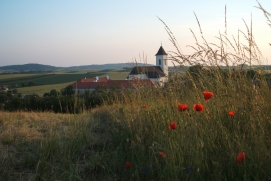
(46,94)
(251,73)
(68,90)
(14,91)
(54,92)
(3,98)
(196,71)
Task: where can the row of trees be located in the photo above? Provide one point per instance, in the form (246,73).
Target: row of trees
(64,101)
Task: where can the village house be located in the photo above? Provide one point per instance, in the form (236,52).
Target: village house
(90,84)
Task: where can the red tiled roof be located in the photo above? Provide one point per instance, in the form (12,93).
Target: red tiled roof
(110,83)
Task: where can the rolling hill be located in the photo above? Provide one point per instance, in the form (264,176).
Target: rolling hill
(45,68)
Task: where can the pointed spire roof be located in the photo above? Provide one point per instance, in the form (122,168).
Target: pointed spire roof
(161,51)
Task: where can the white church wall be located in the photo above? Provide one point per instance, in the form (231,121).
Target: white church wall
(138,76)
(164,63)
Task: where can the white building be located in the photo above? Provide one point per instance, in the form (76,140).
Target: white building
(158,73)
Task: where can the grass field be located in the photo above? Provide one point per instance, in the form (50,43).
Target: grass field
(41,89)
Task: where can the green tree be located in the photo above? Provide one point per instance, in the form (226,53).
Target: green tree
(46,94)
(54,92)
(68,90)
(195,70)
(14,91)
(3,98)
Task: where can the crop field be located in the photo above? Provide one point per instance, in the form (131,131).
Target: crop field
(41,89)
(47,78)
(15,75)
(48,81)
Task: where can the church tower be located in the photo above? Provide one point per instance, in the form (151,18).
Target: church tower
(161,60)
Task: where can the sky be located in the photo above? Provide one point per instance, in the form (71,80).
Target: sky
(83,32)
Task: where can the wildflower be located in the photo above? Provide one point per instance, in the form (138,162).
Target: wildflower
(144,106)
(182,107)
(172,125)
(128,165)
(241,157)
(198,107)
(162,154)
(231,113)
(207,95)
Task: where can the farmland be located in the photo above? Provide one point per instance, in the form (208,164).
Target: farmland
(44,82)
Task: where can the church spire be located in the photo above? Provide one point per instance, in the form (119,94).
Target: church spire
(161,51)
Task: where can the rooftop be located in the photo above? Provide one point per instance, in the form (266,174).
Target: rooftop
(161,51)
(150,71)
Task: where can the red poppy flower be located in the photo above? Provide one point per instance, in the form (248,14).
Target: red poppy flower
(231,113)
(182,107)
(162,154)
(128,165)
(241,157)
(207,95)
(172,125)
(198,107)
(144,106)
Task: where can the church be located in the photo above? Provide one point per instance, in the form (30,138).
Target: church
(158,73)
(149,76)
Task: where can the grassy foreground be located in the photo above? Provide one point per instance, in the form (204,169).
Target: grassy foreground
(97,145)
(47,146)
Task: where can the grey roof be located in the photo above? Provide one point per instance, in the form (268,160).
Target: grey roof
(161,51)
(150,71)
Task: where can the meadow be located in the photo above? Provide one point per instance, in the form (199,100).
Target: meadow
(150,135)
(204,124)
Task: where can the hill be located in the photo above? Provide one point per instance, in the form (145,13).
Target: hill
(46,68)
(106,66)
(28,67)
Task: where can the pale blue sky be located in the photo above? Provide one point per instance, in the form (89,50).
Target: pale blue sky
(83,32)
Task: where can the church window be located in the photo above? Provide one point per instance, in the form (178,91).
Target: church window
(165,62)
(159,61)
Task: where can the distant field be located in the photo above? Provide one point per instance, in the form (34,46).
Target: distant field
(117,75)
(46,79)
(59,80)
(11,76)
(41,89)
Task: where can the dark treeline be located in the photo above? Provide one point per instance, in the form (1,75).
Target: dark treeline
(65,101)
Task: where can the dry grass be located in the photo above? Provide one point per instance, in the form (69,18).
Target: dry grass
(33,145)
